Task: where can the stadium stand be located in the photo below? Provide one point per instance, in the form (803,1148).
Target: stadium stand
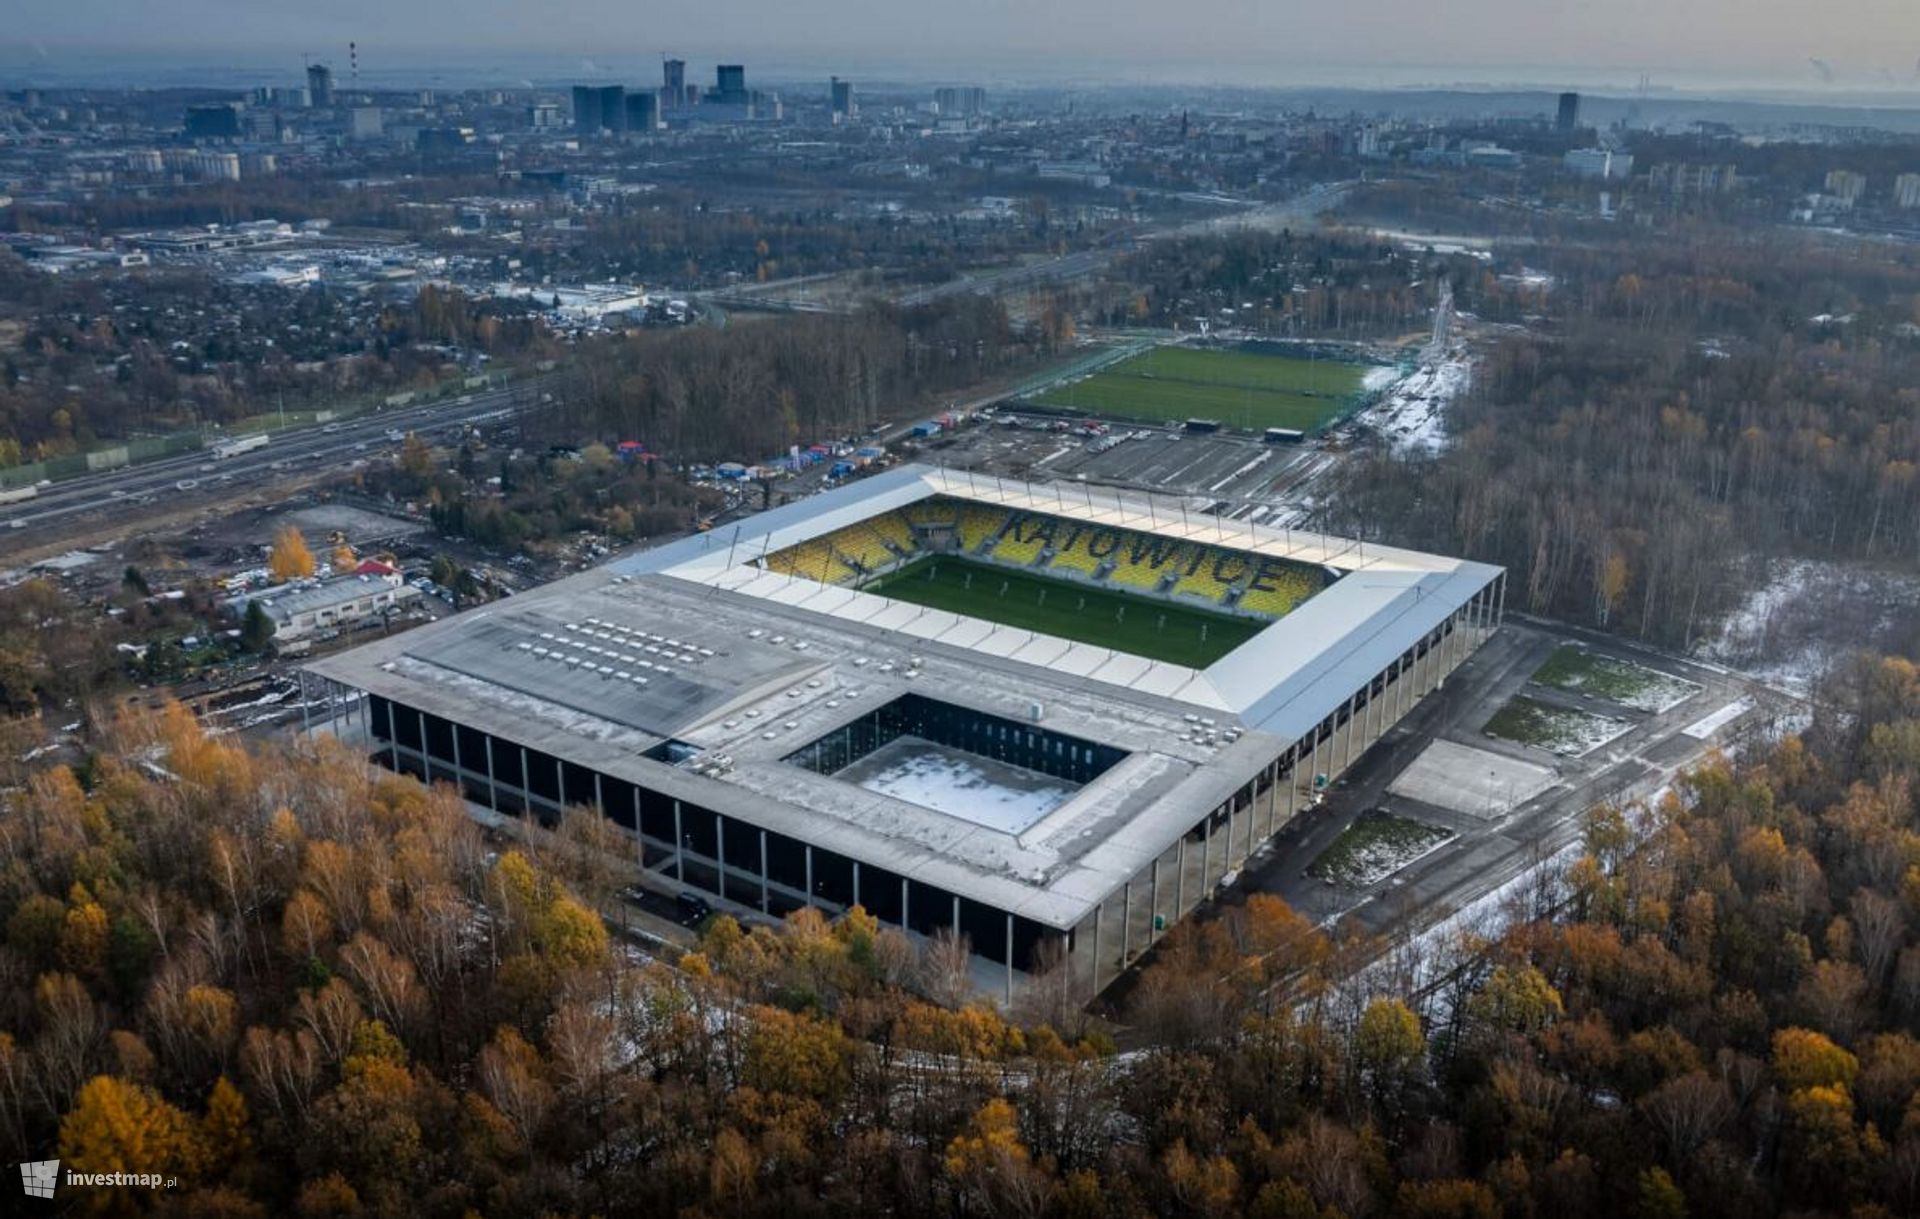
(1295,585)
(1146,576)
(1201,582)
(1140,561)
(1076,558)
(812,559)
(979,524)
(871,545)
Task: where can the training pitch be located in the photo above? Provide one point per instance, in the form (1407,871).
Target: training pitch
(1238,387)
(1141,626)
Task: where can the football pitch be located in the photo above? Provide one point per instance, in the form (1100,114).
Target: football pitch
(1125,622)
(1238,387)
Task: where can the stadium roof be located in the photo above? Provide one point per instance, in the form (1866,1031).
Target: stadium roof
(695,642)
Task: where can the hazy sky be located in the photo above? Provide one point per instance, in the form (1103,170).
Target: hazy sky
(1862,42)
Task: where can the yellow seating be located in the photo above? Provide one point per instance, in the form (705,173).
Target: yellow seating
(862,549)
(1020,538)
(812,559)
(1201,583)
(1021,543)
(1289,589)
(1076,558)
(977,524)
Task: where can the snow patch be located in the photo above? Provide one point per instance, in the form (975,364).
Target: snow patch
(1411,415)
(1807,614)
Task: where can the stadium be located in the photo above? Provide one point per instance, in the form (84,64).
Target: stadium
(1050,718)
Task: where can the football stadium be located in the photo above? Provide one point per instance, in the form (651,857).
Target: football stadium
(1052,719)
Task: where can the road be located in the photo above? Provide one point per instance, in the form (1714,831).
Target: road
(292,452)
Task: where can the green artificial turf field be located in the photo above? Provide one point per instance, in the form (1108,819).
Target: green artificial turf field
(1239,388)
(1125,622)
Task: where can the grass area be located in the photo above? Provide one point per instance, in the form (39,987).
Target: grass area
(1561,730)
(1240,388)
(1374,847)
(1125,622)
(1575,669)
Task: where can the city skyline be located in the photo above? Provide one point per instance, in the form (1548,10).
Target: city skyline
(1686,44)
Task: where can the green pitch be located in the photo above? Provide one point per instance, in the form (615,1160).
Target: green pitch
(1240,388)
(1142,626)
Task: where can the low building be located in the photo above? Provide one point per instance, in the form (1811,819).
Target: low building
(1601,163)
(302,611)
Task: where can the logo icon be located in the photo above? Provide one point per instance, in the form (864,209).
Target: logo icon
(39,1177)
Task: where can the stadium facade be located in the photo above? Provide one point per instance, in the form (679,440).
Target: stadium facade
(773,734)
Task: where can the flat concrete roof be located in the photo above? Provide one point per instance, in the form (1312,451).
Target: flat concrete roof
(696,642)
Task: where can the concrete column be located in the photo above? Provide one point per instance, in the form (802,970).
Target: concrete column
(599,793)
(1097,912)
(458,770)
(560,779)
(679,846)
(1180,881)
(1153,900)
(1009,959)
(720,855)
(1346,745)
(809,874)
(493,794)
(765,907)
(1226,854)
(956,906)
(856,882)
(1206,857)
(1126,921)
(526,792)
(1293,788)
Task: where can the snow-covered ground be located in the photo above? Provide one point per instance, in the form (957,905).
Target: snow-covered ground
(1563,730)
(1410,416)
(964,785)
(1807,614)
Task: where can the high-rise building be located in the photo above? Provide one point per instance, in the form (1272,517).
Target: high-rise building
(1846,185)
(319,85)
(1906,190)
(968,101)
(543,115)
(675,92)
(586,109)
(843,103)
(613,107)
(220,121)
(730,84)
(1569,116)
(643,110)
(366,123)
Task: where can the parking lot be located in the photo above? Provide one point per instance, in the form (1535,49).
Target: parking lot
(1220,466)
(1510,806)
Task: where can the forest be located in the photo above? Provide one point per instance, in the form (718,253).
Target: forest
(303,988)
(751,389)
(1676,406)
